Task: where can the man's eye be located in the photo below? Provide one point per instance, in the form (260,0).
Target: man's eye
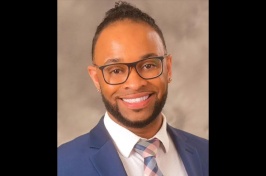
(116,71)
(148,66)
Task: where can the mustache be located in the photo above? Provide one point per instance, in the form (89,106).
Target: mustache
(131,92)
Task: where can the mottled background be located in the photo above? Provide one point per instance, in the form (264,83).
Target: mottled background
(185,27)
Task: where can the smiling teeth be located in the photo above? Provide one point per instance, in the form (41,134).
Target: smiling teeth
(136,100)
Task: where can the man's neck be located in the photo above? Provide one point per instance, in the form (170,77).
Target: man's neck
(145,132)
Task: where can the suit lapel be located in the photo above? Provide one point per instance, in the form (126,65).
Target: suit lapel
(106,159)
(187,152)
(107,162)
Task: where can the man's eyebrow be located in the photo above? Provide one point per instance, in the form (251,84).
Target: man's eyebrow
(148,55)
(116,60)
(112,60)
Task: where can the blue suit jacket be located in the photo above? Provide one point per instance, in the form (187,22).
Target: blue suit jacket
(94,154)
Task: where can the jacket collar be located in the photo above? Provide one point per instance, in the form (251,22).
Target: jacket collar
(105,152)
(187,152)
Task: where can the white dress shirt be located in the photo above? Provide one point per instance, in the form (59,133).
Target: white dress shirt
(168,159)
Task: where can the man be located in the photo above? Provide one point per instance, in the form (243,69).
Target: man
(132,69)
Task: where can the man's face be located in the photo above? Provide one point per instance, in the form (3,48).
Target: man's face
(137,102)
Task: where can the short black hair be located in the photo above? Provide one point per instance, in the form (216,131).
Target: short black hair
(124,10)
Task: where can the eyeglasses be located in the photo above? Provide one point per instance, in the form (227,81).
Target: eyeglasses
(118,73)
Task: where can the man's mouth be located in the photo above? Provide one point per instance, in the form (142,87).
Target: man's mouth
(136,100)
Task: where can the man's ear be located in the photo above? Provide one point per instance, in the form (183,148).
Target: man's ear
(94,76)
(169,66)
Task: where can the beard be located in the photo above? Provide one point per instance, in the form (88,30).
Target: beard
(113,109)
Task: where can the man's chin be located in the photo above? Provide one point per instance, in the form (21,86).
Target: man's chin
(135,119)
(136,115)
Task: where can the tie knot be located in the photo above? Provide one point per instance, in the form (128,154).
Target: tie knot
(147,148)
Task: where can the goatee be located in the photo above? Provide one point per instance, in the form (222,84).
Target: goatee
(115,112)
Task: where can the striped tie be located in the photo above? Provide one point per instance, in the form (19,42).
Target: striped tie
(148,150)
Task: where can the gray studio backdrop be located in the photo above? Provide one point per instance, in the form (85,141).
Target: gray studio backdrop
(185,27)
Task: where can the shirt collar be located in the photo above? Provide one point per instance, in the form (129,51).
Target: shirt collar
(125,140)
(162,135)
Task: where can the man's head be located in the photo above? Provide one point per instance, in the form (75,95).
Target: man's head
(120,12)
(133,94)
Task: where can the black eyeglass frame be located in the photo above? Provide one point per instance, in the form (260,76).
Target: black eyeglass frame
(131,65)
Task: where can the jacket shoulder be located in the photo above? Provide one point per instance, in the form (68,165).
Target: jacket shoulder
(200,143)
(72,155)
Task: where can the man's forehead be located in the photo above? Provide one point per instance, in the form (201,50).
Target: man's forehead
(127,38)
(127,23)
(127,30)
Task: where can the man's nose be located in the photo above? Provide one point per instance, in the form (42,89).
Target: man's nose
(134,80)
